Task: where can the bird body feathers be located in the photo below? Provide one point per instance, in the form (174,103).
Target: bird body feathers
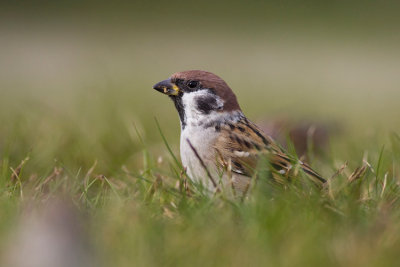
(218,140)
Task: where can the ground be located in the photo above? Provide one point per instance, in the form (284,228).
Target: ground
(89,156)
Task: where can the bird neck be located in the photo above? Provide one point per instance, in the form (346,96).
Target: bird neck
(214,119)
(203,108)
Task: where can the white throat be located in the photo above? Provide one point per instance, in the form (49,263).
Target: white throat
(201,130)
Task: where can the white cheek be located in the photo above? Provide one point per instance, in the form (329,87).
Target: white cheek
(189,101)
(189,104)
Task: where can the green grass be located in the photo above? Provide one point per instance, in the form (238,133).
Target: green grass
(77,126)
(130,196)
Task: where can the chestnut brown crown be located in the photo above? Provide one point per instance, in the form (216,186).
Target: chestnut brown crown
(199,79)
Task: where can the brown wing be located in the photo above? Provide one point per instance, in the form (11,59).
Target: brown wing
(242,145)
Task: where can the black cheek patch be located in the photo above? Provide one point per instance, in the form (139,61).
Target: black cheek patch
(206,104)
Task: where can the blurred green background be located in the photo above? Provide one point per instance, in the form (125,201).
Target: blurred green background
(76,77)
(90,66)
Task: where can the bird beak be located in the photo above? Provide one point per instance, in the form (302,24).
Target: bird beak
(167,87)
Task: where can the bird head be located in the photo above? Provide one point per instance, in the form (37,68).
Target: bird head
(208,91)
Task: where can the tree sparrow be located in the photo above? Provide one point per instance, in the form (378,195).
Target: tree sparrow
(218,143)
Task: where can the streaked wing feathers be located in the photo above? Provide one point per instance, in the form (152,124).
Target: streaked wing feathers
(242,145)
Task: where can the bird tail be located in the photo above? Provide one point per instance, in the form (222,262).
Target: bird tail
(281,163)
(313,174)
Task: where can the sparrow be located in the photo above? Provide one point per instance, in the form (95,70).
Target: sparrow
(218,144)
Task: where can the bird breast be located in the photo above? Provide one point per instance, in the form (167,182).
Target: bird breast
(202,140)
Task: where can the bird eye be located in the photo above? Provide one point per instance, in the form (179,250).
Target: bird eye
(193,84)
